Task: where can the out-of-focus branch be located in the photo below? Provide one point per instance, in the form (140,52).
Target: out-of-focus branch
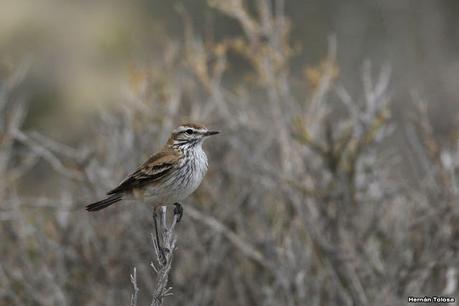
(246,248)
(47,155)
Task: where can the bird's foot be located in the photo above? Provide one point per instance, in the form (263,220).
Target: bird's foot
(178,210)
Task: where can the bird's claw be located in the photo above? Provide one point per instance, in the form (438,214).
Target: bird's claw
(178,210)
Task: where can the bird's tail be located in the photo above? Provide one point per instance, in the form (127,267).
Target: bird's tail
(104,203)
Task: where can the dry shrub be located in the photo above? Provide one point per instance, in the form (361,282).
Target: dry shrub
(303,203)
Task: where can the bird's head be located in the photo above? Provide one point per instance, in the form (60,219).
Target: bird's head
(190,134)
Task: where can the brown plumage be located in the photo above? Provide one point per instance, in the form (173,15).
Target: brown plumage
(150,171)
(167,176)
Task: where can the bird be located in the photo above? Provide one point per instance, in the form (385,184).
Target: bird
(167,177)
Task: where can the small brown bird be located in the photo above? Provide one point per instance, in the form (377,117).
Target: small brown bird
(167,177)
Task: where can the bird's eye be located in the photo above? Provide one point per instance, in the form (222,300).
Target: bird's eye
(189,131)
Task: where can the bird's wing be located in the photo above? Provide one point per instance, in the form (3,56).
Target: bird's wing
(150,171)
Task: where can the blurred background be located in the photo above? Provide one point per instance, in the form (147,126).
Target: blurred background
(336,170)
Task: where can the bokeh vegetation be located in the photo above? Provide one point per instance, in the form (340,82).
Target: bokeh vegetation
(334,181)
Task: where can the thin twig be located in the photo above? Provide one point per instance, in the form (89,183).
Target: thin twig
(167,243)
(134,296)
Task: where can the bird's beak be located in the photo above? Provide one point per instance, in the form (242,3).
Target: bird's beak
(210,133)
